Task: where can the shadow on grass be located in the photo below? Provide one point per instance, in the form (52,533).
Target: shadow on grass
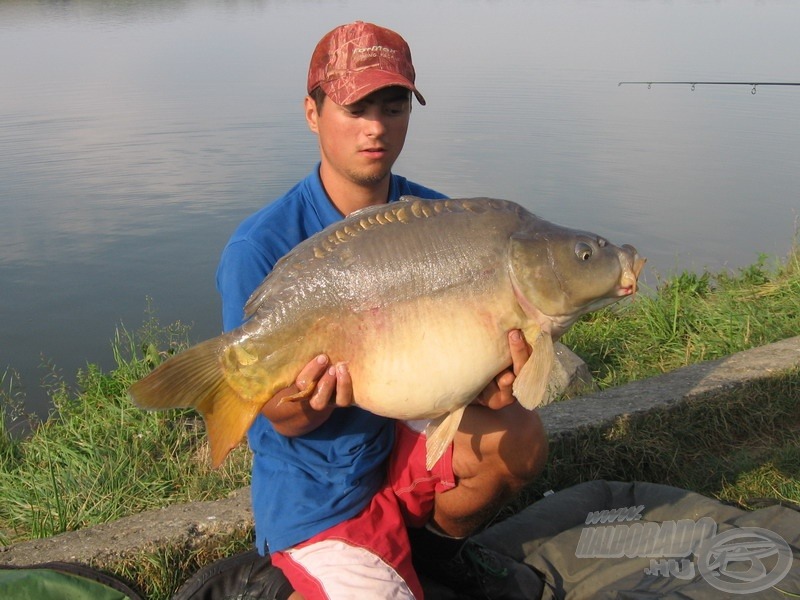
(732,444)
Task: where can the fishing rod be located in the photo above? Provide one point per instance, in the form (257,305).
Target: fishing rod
(649,84)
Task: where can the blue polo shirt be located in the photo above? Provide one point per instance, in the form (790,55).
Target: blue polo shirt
(303,485)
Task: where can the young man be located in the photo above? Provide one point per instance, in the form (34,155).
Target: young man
(334,487)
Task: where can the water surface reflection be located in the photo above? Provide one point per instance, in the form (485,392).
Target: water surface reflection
(134,136)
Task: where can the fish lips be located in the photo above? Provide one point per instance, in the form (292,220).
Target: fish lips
(629,282)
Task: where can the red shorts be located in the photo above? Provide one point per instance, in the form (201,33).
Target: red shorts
(371,551)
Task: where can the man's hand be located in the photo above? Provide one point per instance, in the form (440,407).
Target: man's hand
(332,387)
(498,393)
(331,383)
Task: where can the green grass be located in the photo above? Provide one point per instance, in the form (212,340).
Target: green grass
(690,318)
(98,458)
(158,575)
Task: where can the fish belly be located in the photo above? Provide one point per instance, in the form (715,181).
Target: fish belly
(424,358)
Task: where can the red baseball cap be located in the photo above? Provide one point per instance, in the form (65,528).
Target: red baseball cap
(356,59)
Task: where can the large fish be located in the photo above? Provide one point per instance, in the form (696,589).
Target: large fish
(416,297)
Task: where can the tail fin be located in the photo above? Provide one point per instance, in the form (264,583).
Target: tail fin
(195,378)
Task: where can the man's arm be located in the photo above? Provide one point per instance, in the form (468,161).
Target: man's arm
(241,270)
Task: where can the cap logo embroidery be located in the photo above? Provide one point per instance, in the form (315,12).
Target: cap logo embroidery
(376,50)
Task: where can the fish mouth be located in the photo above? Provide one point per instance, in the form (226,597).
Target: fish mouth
(630,275)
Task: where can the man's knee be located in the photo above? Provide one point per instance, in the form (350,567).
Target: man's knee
(511,442)
(524,448)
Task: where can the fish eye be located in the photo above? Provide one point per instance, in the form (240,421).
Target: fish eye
(583,251)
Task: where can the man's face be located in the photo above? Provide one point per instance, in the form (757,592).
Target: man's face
(360,142)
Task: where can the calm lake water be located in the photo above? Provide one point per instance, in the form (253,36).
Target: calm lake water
(135,136)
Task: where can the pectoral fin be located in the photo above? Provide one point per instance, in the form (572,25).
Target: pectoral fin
(440,433)
(530,386)
(304,394)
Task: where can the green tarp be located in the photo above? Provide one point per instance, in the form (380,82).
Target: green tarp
(61,581)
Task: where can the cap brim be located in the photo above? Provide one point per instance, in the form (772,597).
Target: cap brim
(357,86)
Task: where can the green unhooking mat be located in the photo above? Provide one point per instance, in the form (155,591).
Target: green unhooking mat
(61,581)
(605,539)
